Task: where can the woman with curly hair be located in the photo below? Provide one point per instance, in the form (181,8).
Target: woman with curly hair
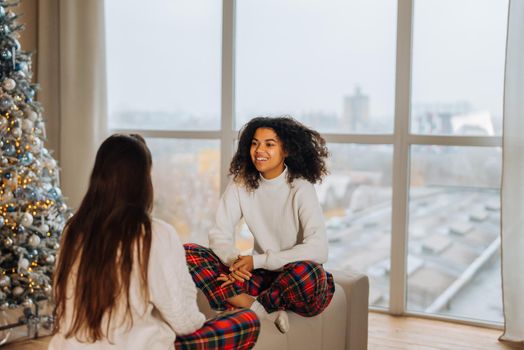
(276,164)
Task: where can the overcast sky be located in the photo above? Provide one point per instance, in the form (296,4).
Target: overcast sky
(301,55)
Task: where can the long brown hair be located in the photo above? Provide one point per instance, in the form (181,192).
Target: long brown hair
(112,224)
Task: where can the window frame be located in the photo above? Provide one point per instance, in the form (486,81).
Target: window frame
(401,139)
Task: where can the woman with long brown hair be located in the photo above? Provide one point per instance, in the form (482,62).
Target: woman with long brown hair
(121,280)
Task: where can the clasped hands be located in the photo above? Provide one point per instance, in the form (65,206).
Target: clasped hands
(240,271)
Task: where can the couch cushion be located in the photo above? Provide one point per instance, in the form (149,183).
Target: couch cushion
(326,331)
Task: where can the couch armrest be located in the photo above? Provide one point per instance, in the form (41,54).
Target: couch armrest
(356,288)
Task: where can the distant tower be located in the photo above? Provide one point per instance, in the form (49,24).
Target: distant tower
(356,111)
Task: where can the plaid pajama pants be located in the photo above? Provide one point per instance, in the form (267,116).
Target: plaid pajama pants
(303,287)
(233,330)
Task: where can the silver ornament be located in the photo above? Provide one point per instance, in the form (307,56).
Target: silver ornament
(39,127)
(36,145)
(5,281)
(2,296)
(7,196)
(27,125)
(8,84)
(47,289)
(2,221)
(33,241)
(44,228)
(31,115)
(53,244)
(50,259)
(6,102)
(50,163)
(24,67)
(17,291)
(7,242)
(27,303)
(17,132)
(23,264)
(27,220)
(21,237)
(4,306)
(37,165)
(63,208)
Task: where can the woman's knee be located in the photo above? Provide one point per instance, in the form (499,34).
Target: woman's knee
(192,246)
(314,280)
(198,256)
(193,249)
(306,267)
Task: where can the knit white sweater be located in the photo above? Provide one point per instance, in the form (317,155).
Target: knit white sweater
(285,220)
(172,308)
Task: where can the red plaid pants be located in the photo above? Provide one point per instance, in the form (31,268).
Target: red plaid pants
(303,287)
(233,330)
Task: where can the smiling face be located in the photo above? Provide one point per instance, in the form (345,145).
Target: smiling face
(267,153)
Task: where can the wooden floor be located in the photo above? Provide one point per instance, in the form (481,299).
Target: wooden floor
(400,333)
(409,333)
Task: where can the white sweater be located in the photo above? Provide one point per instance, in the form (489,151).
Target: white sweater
(285,220)
(172,308)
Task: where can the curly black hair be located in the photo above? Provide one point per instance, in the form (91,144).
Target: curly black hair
(306,151)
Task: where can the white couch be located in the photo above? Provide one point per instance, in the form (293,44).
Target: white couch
(343,325)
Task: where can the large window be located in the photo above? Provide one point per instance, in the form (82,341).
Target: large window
(331,66)
(453,254)
(407,93)
(163,64)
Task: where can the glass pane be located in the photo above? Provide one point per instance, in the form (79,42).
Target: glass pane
(454,228)
(329,64)
(356,199)
(186,177)
(163,64)
(458,66)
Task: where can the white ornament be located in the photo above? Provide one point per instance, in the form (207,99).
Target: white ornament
(9,84)
(8,242)
(27,303)
(17,132)
(31,115)
(50,163)
(5,281)
(7,196)
(27,125)
(17,291)
(50,259)
(44,228)
(27,220)
(47,289)
(23,264)
(36,145)
(33,241)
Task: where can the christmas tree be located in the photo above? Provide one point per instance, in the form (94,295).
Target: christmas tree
(32,209)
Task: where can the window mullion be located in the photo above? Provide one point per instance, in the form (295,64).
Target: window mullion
(227,114)
(400,203)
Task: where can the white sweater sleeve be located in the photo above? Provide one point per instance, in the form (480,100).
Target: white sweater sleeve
(172,290)
(222,235)
(314,246)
